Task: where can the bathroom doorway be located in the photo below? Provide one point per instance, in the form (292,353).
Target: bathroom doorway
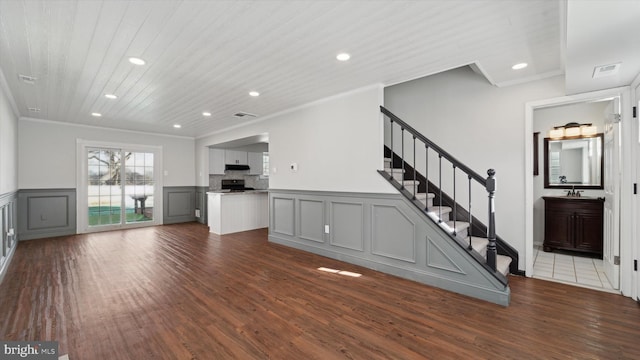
(572,268)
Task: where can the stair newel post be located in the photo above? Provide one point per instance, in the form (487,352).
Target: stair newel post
(402,152)
(440,186)
(415,165)
(470,216)
(491,230)
(391,131)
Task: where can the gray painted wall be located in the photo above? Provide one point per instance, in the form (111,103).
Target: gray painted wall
(179,204)
(46,213)
(8,222)
(379,231)
(52,212)
(201,203)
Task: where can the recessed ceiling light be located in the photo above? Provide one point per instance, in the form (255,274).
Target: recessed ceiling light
(206,113)
(519,66)
(343,57)
(254,93)
(177,126)
(110,96)
(96,114)
(136,61)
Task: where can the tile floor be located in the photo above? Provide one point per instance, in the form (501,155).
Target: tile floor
(574,270)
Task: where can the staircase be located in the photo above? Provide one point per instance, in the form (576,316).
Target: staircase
(443,216)
(405,152)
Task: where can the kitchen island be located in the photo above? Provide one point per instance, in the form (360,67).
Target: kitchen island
(231,212)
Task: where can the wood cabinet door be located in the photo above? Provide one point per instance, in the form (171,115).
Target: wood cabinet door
(558,231)
(588,229)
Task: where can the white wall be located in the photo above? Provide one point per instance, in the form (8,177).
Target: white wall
(482,126)
(47,153)
(8,143)
(545,119)
(336,142)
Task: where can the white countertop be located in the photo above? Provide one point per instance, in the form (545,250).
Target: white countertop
(227,192)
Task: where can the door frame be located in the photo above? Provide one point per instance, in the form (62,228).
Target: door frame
(635,98)
(626,209)
(81,189)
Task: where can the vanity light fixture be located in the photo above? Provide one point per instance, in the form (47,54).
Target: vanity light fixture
(572,129)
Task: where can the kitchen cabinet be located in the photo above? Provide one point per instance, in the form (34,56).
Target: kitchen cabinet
(573,223)
(216,161)
(230,212)
(255,163)
(235,157)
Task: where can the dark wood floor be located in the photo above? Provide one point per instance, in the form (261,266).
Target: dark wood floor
(179,292)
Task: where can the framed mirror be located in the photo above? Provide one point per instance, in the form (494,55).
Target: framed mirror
(574,163)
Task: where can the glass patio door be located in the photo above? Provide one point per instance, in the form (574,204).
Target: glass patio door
(120,188)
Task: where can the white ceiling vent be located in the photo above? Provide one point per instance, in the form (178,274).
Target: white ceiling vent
(606,70)
(35,110)
(242,114)
(27,79)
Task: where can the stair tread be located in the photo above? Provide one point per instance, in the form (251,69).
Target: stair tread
(479,244)
(436,209)
(459,225)
(395,170)
(410,182)
(502,264)
(422,196)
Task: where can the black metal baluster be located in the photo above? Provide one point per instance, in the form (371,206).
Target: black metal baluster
(440,186)
(470,216)
(402,153)
(391,156)
(415,165)
(455,214)
(426,177)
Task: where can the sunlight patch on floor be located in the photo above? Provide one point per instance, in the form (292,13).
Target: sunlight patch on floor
(339,272)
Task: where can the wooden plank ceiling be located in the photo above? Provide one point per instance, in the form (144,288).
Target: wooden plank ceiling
(207,55)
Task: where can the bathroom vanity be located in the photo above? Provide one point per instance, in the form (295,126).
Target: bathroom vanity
(573,223)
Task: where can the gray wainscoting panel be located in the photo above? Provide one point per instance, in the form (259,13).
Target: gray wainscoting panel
(311,216)
(282,215)
(46,213)
(8,231)
(347,225)
(179,204)
(393,234)
(383,232)
(201,203)
(438,258)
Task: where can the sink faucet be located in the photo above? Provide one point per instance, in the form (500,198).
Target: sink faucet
(572,192)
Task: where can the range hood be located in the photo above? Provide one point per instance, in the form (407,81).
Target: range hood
(235,167)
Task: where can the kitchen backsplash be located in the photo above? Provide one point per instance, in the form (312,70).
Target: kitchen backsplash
(252,181)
